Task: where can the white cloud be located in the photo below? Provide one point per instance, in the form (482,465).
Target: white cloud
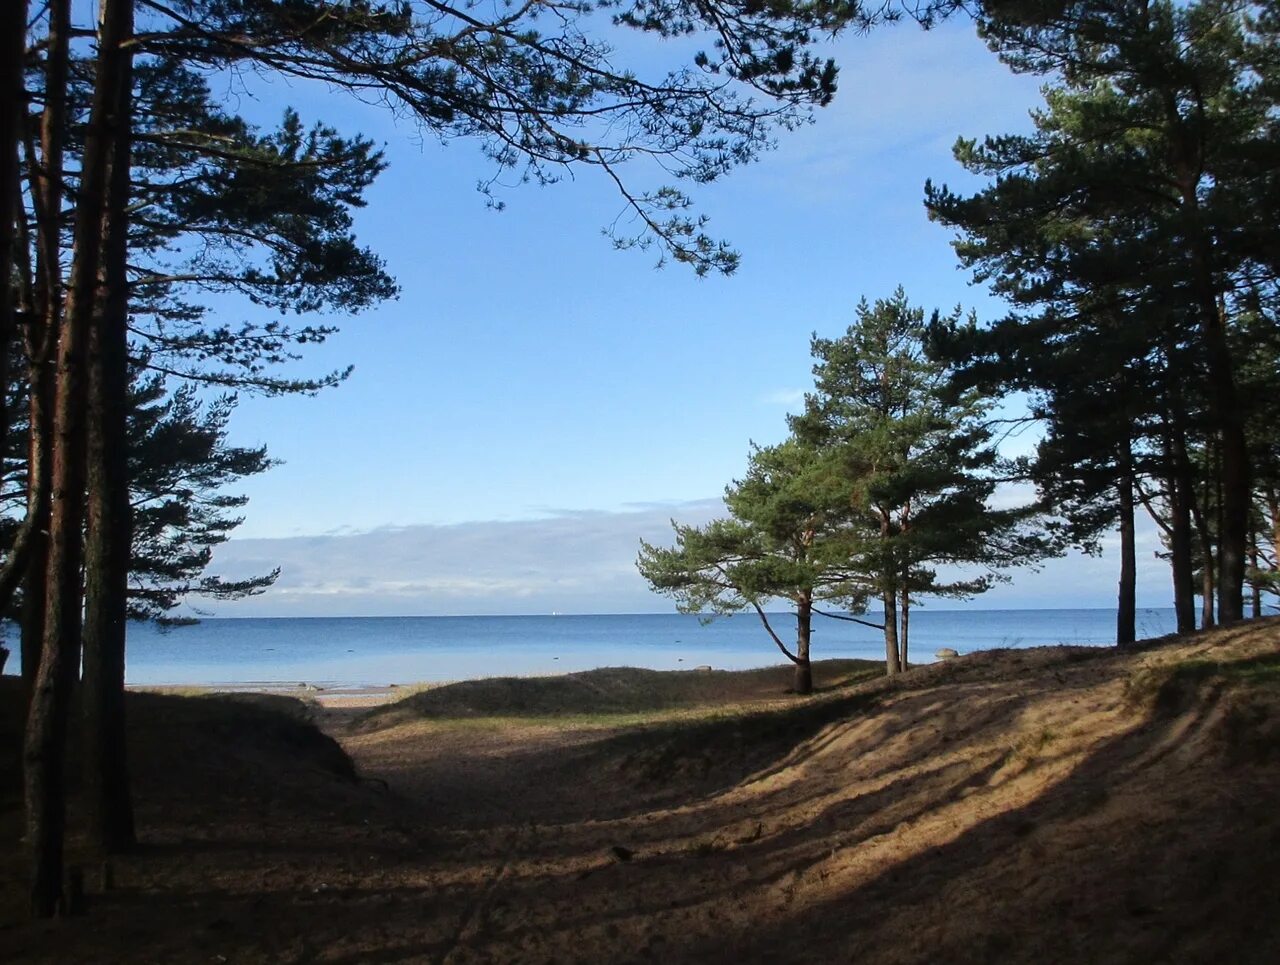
(571,562)
(903,92)
(786,397)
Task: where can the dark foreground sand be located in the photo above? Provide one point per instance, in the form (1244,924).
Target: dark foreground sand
(1051,805)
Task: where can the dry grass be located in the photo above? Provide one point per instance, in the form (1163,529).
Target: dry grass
(620,695)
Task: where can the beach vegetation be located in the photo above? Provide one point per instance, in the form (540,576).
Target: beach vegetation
(785,539)
(1131,234)
(915,467)
(883,492)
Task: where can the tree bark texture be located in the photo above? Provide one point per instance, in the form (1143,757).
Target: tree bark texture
(44,747)
(47,192)
(39,456)
(1224,409)
(109,532)
(904,638)
(1178,483)
(55,669)
(1255,590)
(1210,554)
(804,636)
(889,599)
(13,20)
(13,16)
(1126,603)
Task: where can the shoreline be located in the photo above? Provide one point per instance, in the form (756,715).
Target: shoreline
(334,696)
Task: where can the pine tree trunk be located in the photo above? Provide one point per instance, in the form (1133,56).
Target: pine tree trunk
(107,548)
(1180,497)
(1126,604)
(13,19)
(39,459)
(1184,598)
(804,634)
(53,669)
(889,598)
(903,642)
(1210,558)
(46,194)
(1224,409)
(1273,509)
(45,744)
(1207,619)
(1255,590)
(1236,502)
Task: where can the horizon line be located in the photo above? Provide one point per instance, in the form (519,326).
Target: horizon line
(640,613)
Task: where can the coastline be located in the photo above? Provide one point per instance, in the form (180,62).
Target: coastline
(365,657)
(335,697)
(707,816)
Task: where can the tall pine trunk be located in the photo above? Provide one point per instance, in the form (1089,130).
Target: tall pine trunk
(804,635)
(109,532)
(905,637)
(13,20)
(45,743)
(1209,560)
(1181,495)
(888,598)
(1126,603)
(1255,589)
(1273,510)
(1180,562)
(39,483)
(51,671)
(1225,413)
(46,196)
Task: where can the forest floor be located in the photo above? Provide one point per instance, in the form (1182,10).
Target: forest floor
(1061,804)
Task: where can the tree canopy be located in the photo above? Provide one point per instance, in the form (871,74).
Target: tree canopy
(885,490)
(1127,233)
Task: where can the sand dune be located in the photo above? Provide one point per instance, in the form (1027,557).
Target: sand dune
(1060,804)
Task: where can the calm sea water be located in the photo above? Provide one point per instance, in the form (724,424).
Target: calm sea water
(360,651)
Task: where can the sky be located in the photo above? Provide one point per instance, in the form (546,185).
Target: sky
(535,402)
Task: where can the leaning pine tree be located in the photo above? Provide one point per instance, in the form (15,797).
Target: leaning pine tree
(781,542)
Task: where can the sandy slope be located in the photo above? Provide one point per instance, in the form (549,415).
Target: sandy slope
(1061,804)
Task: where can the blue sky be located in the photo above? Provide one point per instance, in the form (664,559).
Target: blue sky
(544,388)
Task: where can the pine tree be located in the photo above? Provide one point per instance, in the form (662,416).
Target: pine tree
(1136,185)
(782,541)
(916,465)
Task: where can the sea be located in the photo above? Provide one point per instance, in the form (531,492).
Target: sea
(358,652)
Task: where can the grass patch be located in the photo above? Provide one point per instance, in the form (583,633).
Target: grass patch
(177,690)
(1254,670)
(1169,690)
(1032,744)
(611,696)
(722,748)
